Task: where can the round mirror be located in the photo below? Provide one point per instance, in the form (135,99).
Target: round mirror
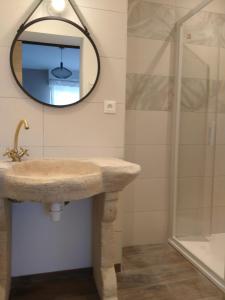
(55,61)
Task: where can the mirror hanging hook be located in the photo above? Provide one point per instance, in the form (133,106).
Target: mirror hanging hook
(27,19)
(77,12)
(72,4)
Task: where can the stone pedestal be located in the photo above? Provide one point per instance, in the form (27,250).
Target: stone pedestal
(5,249)
(104,210)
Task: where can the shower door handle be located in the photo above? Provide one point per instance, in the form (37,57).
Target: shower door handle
(211,133)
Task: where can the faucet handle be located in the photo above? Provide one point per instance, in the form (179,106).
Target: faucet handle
(7,152)
(12,154)
(23,152)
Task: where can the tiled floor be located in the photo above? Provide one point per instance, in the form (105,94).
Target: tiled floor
(160,273)
(150,273)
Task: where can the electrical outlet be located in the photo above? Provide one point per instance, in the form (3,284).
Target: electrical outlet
(109,107)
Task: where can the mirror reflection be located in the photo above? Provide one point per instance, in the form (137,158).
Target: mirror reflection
(55,62)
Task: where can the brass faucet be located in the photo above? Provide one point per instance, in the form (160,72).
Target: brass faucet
(16,154)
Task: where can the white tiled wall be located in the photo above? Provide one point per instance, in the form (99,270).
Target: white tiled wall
(146,200)
(145,227)
(219,180)
(81,130)
(147,143)
(116,5)
(148,56)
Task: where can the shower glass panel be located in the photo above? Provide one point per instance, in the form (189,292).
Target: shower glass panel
(196,147)
(199,226)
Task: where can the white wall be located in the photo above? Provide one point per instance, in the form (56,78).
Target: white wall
(81,130)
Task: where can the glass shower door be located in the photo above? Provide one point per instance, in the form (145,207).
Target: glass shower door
(195,213)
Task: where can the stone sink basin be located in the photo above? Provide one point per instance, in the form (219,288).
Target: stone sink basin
(55,181)
(60,180)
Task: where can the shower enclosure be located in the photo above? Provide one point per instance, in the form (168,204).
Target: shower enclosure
(198,150)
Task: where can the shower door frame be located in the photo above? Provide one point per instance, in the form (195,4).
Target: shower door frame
(209,273)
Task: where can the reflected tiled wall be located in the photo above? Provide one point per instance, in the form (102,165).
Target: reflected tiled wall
(150,81)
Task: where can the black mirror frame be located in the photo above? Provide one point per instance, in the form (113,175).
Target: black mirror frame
(85,32)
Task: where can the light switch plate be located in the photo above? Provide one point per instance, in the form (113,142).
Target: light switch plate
(110,107)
